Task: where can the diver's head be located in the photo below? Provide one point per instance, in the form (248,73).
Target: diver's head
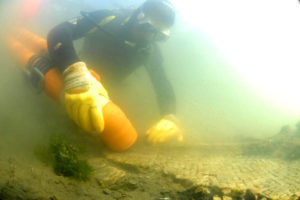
(153,20)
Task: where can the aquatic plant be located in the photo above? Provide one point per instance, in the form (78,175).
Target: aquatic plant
(64,158)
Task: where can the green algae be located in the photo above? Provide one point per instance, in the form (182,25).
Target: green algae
(63,156)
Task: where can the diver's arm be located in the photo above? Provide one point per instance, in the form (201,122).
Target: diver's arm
(168,126)
(162,86)
(60,38)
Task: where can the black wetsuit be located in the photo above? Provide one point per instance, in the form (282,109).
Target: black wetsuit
(107,49)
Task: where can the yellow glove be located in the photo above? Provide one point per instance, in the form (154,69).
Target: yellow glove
(84,98)
(164,130)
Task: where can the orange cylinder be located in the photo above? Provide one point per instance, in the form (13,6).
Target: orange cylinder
(22,53)
(31,40)
(53,83)
(118,135)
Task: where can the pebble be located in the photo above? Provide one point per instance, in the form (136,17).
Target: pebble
(202,190)
(226,191)
(216,198)
(106,191)
(227,198)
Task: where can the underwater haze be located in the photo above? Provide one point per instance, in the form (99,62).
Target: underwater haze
(234,72)
(234,66)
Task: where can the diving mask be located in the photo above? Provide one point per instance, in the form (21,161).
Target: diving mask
(160,31)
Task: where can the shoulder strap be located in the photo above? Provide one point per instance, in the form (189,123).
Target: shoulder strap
(102,23)
(117,16)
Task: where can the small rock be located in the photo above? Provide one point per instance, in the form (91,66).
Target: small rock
(132,185)
(106,191)
(53,198)
(106,176)
(226,191)
(216,198)
(227,198)
(202,190)
(116,195)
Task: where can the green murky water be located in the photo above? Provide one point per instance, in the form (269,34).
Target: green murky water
(238,113)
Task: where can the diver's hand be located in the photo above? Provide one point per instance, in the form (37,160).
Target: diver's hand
(164,130)
(84,97)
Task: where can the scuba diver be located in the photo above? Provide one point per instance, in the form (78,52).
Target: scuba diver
(116,42)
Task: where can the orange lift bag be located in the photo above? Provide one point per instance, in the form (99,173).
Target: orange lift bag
(31,52)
